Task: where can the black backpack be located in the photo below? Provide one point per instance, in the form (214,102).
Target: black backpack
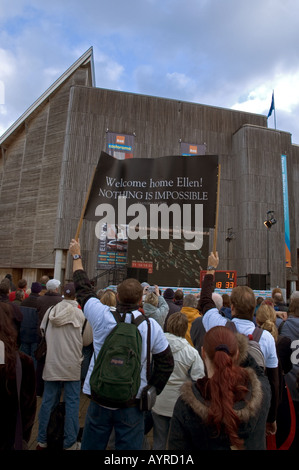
(254,348)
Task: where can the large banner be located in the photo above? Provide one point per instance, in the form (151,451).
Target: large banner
(286,210)
(160,209)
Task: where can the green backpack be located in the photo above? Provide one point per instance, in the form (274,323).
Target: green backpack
(115,379)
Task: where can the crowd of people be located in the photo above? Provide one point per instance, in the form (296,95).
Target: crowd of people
(210,393)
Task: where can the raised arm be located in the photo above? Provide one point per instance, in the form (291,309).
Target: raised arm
(206,302)
(84,289)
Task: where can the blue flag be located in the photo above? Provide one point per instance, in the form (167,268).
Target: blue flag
(272,107)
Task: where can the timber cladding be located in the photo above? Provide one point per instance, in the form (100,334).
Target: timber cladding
(31,183)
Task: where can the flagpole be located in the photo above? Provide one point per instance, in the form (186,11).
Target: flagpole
(84,207)
(274,111)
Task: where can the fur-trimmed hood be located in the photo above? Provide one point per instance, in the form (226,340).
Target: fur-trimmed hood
(245,410)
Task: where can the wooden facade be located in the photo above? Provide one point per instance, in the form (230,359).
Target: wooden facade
(47,163)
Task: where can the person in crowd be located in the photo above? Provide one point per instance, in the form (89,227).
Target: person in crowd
(109,298)
(191,311)
(279,303)
(178,298)
(266,319)
(188,365)
(242,307)
(225,310)
(294,295)
(65,338)
(22,285)
(12,286)
(100,292)
(19,296)
(168,295)
(290,329)
(228,407)
(17,314)
(101,420)
(52,296)
(14,434)
(197,330)
(43,281)
(31,300)
(29,333)
(259,301)
(155,306)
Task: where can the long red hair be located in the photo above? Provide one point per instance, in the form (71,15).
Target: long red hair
(228,383)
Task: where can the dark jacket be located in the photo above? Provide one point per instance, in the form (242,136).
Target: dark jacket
(31,300)
(189,430)
(173,308)
(9,403)
(29,327)
(16,313)
(46,301)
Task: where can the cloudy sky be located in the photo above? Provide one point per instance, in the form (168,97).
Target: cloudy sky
(226,53)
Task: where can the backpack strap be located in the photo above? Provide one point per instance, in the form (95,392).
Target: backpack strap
(257,333)
(230,324)
(137,321)
(117,316)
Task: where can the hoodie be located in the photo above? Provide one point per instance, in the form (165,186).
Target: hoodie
(188,366)
(191,313)
(64,341)
(158,313)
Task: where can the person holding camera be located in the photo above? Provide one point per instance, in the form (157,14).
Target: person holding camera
(127,421)
(155,306)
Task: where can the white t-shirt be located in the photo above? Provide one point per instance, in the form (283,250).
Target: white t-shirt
(267,343)
(102,322)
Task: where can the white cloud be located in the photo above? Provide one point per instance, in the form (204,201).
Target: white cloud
(230,54)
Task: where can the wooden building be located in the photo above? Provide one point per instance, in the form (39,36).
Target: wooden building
(48,156)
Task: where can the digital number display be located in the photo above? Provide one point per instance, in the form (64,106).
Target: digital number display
(223,279)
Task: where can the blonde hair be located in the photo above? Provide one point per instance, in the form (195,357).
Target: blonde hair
(152,299)
(109,298)
(266,319)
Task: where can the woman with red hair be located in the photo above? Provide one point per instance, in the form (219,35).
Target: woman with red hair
(226,409)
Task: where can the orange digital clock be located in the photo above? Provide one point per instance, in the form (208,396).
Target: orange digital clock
(223,279)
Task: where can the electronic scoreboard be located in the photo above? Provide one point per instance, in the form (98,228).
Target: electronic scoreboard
(223,279)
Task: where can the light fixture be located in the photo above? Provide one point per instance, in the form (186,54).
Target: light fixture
(270,220)
(230,235)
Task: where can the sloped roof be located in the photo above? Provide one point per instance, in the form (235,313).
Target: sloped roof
(87,57)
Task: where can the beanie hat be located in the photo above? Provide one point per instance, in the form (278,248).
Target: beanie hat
(52,284)
(168,294)
(36,287)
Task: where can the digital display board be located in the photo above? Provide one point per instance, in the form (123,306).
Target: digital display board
(223,279)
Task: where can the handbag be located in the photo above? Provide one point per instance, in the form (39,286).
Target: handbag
(41,350)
